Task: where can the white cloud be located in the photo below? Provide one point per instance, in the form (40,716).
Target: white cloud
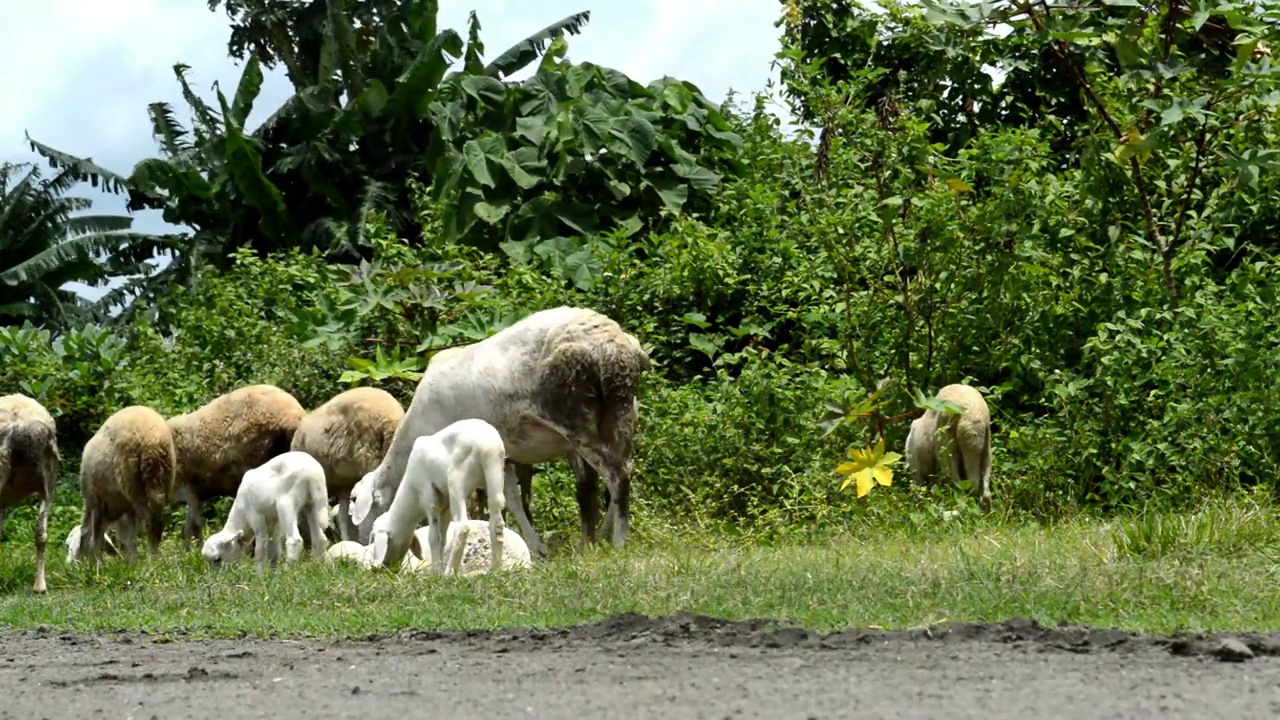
(90,69)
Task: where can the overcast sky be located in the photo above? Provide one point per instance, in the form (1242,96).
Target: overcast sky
(89,69)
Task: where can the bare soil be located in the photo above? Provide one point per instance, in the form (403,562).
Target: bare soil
(629,666)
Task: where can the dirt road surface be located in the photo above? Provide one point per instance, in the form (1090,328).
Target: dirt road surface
(633,667)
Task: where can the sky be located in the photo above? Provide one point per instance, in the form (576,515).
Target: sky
(89,69)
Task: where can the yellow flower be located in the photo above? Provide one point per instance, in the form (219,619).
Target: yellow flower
(868,467)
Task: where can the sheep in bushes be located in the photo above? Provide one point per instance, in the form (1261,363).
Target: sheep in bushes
(126,476)
(444,468)
(934,437)
(268,502)
(348,435)
(557,383)
(29,461)
(217,443)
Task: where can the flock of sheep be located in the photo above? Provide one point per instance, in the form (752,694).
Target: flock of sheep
(560,383)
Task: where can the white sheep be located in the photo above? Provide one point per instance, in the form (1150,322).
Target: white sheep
(29,461)
(126,477)
(469,534)
(73,543)
(349,435)
(266,509)
(933,438)
(218,442)
(443,469)
(558,383)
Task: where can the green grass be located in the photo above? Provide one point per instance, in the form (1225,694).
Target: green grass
(1216,569)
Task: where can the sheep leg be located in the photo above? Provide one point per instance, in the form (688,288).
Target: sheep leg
(288,526)
(153,521)
(260,553)
(89,533)
(435,538)
(129,536)
(618,482)
(588,481)
(193,529)
(494,476)
(455,544)
(42,538)
(525,475)
(986,472)
(346,529)
(517,508)
(318,544)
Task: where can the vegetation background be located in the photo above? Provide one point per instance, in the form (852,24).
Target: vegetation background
(1070,206)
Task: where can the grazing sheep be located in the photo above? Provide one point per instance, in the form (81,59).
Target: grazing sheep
(443,469)
(971,430)
(349,435)
(29,461)
(223,439)
(126,473)
(73,544)
(476,558)
(559,382)
(266,509)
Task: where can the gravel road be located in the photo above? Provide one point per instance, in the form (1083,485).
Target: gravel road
(628,666)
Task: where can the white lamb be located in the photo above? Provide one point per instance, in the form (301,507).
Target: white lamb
(442,471)
(266,509)
(476,556)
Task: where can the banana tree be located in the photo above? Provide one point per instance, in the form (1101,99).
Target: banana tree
(44,246)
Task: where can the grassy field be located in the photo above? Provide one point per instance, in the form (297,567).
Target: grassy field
(1214,569)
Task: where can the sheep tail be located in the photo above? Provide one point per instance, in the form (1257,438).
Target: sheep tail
(155,472)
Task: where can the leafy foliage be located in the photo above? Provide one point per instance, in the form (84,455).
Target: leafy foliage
(45,245)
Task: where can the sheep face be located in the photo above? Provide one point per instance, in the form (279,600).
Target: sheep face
(223,548)
(387,550)
(363,498)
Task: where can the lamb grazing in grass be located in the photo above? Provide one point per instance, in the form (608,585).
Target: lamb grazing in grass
(266,509)
(73,544)
(470,534)
(29,461)
(558,382)
(349,435)
(443,469)
(223,439)
(126,474)
(934,436)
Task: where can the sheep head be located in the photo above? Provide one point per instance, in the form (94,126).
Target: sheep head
(223,548)
(389,551)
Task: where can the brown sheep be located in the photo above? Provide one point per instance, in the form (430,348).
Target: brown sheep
(222,440)
(29,461)
(126,477)
(971,430)
(349,434)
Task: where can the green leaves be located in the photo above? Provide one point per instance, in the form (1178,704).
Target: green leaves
(44,244)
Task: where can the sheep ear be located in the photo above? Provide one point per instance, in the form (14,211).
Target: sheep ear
(238,537)
(415,547)
(379,554)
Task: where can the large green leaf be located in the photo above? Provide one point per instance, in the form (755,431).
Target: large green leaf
(527,50)
(246,92)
